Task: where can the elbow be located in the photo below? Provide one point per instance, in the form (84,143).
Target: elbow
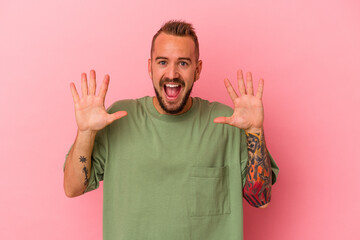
(259,200)
(71,192)
(265,205)
(257,204)
(72,187)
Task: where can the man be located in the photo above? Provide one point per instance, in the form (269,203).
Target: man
(173,166)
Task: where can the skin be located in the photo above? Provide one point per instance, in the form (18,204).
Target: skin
(249,115)
(91,116)
(257,188)
(173,57)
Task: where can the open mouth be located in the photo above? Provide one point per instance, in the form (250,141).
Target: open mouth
(172,91)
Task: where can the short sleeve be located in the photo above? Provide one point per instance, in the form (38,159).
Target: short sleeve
(98,159)
(244,160)
(274,169)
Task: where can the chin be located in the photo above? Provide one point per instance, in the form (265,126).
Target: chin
(172,109)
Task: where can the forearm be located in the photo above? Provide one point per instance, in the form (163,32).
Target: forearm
(78,164)
(257,189)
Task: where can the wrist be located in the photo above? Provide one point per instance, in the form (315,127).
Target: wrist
(87,133)
(254,130)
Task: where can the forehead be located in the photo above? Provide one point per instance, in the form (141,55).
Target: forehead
(167,45)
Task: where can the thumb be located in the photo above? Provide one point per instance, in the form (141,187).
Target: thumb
(225,120)
(116,116)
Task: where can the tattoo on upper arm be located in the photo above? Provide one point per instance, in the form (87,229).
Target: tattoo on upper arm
(85,170)
(257,189)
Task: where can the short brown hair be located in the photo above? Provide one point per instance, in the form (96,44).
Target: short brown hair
(178,28)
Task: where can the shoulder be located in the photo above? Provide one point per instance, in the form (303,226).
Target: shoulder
(214,108)
(127,104)
(208,111)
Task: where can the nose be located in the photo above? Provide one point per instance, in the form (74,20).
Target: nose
(172,72)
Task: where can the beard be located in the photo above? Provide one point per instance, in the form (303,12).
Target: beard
(182,102)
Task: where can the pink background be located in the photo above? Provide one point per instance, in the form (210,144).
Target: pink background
(308,52)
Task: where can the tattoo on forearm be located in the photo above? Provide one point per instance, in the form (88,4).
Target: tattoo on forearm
(85,170)
(257,189)
(82,159)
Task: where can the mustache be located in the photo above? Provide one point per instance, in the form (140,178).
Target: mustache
(174,80)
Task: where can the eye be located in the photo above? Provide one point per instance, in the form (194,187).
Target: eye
(182,63)
(162,62)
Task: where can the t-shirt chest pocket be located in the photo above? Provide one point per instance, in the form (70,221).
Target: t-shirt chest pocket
(209,191)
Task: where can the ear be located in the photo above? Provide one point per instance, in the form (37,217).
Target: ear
(149,67)
(198,70)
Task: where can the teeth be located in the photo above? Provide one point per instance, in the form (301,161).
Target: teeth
(171,85)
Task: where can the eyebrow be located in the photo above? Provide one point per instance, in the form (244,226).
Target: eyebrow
(183,58)
(165,58)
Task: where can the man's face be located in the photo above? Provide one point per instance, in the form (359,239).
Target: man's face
(173,69)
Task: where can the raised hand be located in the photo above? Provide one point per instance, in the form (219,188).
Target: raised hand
(248,109)
(90,111)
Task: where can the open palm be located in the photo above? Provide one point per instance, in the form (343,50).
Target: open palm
(90,111)
(248,109)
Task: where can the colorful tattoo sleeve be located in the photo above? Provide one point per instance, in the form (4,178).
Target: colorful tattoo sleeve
(257,189)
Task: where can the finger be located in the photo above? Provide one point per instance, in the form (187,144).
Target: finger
(249,84)
(230,89)
(104,86)
(74,93)
(92,82)
(84,87)
(260,89)
(224,120)
(241,84)
(116,116)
